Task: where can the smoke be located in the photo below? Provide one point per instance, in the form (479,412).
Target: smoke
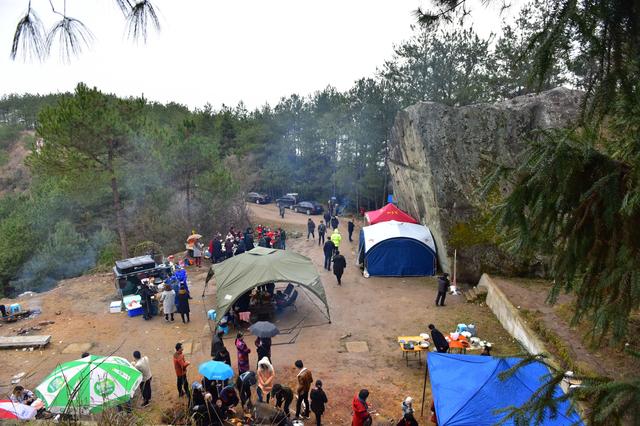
(65,254)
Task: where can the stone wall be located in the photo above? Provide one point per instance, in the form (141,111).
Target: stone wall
(510,318)
(440,156)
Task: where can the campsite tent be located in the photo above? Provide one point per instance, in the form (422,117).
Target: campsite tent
(387,213)
(259,266)
(467,390)
(397,249)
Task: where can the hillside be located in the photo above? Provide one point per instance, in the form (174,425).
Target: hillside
(14,175)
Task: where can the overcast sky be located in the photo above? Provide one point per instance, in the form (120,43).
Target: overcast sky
(219,51)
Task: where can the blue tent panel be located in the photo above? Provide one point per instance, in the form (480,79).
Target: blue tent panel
(467,390)
(400,257)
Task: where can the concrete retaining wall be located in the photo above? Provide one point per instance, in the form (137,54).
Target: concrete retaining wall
(509,317)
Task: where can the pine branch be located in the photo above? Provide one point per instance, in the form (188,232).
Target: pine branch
(29,37)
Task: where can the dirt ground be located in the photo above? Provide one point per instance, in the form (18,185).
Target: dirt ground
(373,310)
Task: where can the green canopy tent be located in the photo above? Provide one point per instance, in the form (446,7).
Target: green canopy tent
(259,266)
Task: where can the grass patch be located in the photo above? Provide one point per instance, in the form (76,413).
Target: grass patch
(555,344)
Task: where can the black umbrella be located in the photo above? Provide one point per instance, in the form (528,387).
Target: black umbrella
(264,329)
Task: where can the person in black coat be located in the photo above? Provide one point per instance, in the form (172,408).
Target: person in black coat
(248,239)
(339,263)
(318,399)
(145,295)
(223,356)
(244,383)
(311,228)
(217,250)
(283,395)
(198,403)
(241,247)
(443,286)
(350,227)
(183,303)
(263,346)
(322,230)
(213,412)
(229,397)
(327,218)
(217,344)
(334,222)
(438,339)
(328,250)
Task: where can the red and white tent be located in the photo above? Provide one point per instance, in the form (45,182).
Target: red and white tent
(387,213)
(15,411)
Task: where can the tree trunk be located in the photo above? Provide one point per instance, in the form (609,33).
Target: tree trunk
(188,195)
(117,206)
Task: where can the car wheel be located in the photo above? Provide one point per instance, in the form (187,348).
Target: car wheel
(257,201)
(308,212)
(296,210)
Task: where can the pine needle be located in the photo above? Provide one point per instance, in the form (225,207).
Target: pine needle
(141,15)
(29,37)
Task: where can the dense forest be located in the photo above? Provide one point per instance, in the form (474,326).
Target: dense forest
(111,177)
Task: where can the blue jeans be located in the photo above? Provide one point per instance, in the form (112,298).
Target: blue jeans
(259,392)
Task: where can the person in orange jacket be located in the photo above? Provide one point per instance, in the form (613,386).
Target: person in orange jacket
(180,364)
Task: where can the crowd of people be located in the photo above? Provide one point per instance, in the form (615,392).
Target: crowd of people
(172,293)
(237,242)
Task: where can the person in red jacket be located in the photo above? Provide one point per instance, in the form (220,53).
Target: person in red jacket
(180,364)
(361,416)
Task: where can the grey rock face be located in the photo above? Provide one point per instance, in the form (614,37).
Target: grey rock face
(440,156)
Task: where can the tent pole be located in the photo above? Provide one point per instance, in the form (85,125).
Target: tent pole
(455,259)
(424,385)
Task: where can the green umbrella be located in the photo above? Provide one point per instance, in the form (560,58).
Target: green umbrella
(88,385)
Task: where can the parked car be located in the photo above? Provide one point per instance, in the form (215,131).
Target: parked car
(256,197)
(287,200)
(308,207)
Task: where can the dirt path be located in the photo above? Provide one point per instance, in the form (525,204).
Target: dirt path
(374,310)
(532,295)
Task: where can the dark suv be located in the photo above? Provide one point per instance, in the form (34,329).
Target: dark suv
(308,207)
(255,197)
(286,201)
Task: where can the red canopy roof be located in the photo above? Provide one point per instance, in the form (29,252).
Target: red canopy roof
(387,213)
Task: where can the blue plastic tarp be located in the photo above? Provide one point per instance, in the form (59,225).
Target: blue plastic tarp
(467,390)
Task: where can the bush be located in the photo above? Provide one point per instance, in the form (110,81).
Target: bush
(9,134)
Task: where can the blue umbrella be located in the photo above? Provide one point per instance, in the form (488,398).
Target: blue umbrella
(215,370)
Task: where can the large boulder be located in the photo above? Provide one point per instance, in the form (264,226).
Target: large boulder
(440,156)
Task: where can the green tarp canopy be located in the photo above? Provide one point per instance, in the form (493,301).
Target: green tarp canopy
(240,274)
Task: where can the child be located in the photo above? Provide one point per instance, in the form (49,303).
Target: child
(318,400)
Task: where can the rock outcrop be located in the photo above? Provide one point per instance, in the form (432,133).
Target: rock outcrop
(440,156)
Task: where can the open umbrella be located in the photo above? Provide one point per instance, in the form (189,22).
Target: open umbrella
(193,237)
(215,370)
(264,329)
(88,385)
(10,410)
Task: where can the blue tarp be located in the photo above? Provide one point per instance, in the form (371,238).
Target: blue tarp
(467,390)
(398,257)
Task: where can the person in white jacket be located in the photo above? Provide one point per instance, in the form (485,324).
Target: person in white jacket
(141,363)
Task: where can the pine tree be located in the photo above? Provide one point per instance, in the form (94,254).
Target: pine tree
(86,138)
